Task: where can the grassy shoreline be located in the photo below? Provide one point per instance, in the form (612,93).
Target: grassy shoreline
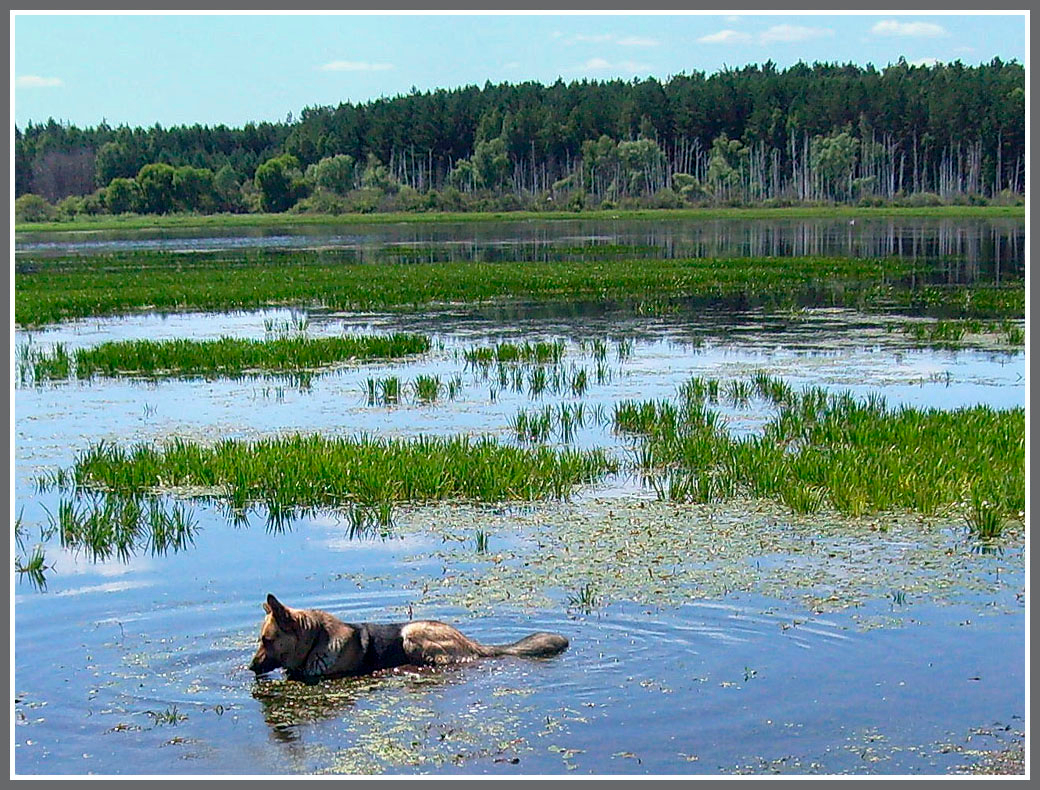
(157,222)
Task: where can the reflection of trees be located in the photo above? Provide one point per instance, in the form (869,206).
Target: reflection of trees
(287,704)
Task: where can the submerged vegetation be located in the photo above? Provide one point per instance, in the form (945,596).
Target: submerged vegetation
(54,290)
(224,356)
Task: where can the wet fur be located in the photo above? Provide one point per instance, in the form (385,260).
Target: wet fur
(311,644)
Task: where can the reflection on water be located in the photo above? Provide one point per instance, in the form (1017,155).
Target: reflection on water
(963,250)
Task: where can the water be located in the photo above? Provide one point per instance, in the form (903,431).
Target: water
(736,659)
(963,250)
(723,639)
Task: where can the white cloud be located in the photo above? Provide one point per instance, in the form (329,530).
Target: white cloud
(34,81)
(732,19)
(791,33)
(891,27)
(356,65)
(638,41)
(725,37)
(623,66)
(608,38)
(592,38)
(924,62)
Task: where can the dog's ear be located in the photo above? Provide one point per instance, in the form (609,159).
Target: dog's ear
(267,607)
(280,613)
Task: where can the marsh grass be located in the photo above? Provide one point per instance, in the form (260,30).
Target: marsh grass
(550,352)
(953,332)
(389,389)
(296,324)
(427,389)
(169,716)
(985,518)
(287,473)
(225,356)
(454,387)
(540,425)
(586,599)
(49,290)
(820,449)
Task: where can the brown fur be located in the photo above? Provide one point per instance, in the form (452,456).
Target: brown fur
(311,644)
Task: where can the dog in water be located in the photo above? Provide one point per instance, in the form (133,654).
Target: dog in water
(311,644)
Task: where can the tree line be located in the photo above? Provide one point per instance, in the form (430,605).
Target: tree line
(808,133)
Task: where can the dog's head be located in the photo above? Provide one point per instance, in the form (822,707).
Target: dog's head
(280,639)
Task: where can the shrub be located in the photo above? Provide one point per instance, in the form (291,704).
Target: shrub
(33,208)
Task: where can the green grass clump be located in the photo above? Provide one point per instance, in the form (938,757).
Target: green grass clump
(313,471)
(49,290)
(820,449)
(526,352)
(950,333)
(427,388)
(225,356)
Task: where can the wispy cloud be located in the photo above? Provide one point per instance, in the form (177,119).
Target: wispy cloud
(891,27)
(622,66)
(725,37)
(607,38)
(356,65)
(788,34)
(34,81)
(784,34)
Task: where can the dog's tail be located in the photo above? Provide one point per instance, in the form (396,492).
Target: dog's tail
(533,646)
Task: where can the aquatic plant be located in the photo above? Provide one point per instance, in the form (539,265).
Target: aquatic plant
(48,290)
(985,518)
(831,449)
(224,356)
(454,387)
(585,599)
(526,352)
(311,471)
(427,388)
(389,390)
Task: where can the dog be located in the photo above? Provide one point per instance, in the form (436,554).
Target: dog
(311,645)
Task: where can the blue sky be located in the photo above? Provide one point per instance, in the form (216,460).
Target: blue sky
(142,70)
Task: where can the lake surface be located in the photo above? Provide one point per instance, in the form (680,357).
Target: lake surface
(725,638)
(965,249)
(868,654)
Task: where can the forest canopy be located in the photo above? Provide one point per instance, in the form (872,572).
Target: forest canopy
(820,132)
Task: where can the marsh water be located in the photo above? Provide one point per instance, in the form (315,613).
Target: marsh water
(732,637)
(962,249)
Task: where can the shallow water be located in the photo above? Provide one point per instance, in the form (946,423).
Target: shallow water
(746,653)
(965,250)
